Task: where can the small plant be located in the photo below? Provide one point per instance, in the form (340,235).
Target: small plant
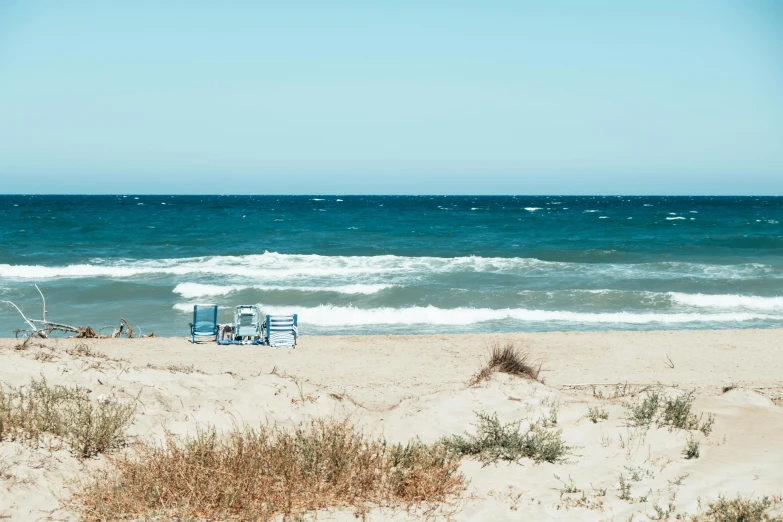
(638,474)
(663,514)
(706,428)
(677,481)
(303,398)
(568,487)
(676,413)
(553,414)
(625,489)
(89,428)
(494,442)
(643,414)
(737,510)
(597,413)
(508,359)
(691,450)
(81,349)
(182,368)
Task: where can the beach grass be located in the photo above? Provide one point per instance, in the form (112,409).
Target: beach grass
(508,359)
(256,474)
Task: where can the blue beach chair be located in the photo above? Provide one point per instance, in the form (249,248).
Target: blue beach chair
(204,322)
(282,330)
(247,323)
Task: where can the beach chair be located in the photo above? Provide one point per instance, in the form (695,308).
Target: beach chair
(247,323)
(281,330)
(204,322)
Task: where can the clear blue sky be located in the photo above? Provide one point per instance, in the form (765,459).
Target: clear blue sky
(605,97)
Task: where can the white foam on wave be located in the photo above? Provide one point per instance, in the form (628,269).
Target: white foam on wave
(271,265)
(532,209)
(274,267)
(192,290)
(678,217)
(326,315)
(728,301)
(718,302)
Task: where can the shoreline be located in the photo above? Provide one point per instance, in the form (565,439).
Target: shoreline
(703,359)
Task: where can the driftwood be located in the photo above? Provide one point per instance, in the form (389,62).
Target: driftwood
(42,328)
(34,329)
(85,332)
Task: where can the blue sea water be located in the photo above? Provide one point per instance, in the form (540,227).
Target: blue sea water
(397,264)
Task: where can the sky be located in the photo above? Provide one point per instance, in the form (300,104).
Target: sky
(404,97)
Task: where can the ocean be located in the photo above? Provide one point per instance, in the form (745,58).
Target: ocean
(396,264)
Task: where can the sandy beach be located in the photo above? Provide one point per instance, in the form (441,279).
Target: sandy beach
(403,387)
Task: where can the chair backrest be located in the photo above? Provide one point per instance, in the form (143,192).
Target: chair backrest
(247,319)
(205,317)
(282,330)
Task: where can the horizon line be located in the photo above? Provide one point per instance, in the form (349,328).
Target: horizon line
(136,194)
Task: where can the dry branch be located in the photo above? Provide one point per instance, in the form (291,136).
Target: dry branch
(42,327)
(128,326)
(35,330)
(44,302)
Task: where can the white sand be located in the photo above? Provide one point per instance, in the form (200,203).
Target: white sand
(415,386)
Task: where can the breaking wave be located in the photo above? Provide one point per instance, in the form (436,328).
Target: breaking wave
(326,315)
(273,266)
(728,301)
(192,290)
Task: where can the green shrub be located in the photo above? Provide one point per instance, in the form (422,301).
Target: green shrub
(664,411)
(494,442)
(691,450)
(30,412)
(676,413)
(644,413)
(738,510)
(597,413)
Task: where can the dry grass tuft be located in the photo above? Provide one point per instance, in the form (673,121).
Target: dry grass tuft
(36,412)
(508,359)
(82,349)
(257,474)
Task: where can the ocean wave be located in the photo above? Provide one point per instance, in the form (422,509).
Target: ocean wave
(272,266)
(327,315)
(192,290)
(728,301)
(723,302)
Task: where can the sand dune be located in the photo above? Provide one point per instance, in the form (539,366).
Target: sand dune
(416,386)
